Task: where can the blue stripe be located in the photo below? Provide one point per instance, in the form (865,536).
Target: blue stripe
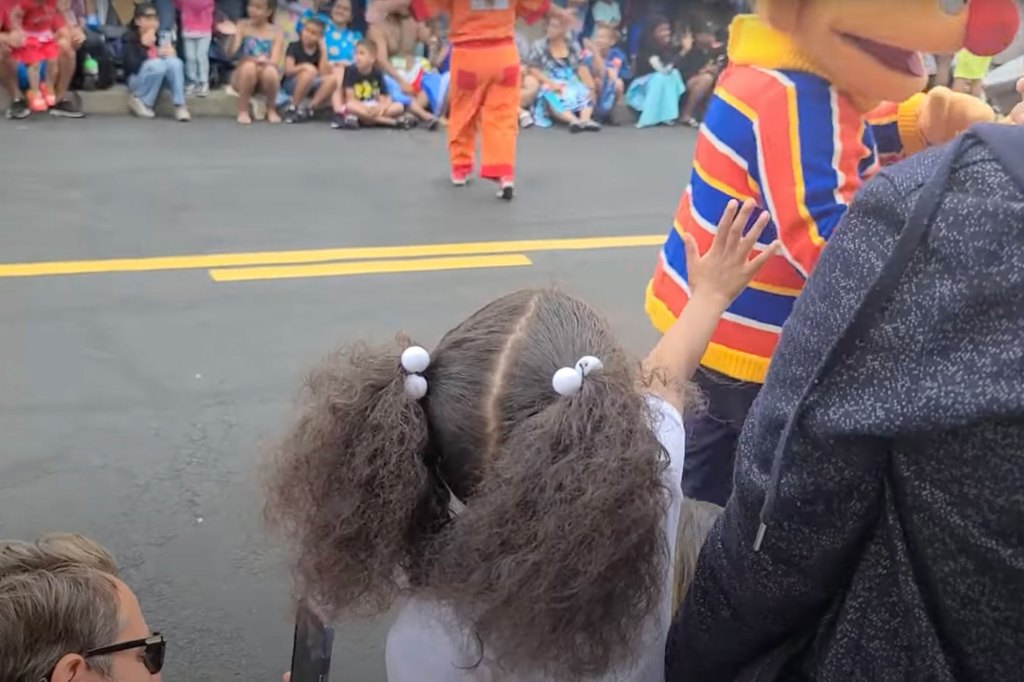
(817,150)
(710,204)
(735,130)
(760,306)
(886,138)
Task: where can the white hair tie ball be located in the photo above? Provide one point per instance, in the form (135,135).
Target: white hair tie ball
(569,380)
(415,361)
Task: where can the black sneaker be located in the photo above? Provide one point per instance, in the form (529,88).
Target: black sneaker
(407,122)
(18,110)
(338,121)
(291,115)
(66,109)
(351,122)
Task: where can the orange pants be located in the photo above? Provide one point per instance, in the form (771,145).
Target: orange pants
(484,93)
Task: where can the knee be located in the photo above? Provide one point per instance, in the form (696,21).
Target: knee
(269,74)
(175,64)
(247,70)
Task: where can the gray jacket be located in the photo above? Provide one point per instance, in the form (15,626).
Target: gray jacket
(883,462)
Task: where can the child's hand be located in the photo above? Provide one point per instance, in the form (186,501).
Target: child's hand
(726,269)
(1017,115)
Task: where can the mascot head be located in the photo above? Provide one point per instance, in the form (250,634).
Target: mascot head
(871,48)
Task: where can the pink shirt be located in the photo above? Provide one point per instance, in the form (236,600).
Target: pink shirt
(196,17)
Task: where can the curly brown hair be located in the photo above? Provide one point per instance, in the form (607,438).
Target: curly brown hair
(560,553)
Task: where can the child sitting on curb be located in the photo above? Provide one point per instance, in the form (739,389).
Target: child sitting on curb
(306,70)
(367,101)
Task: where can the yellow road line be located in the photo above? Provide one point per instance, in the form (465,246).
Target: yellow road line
(368,267)
(227,260)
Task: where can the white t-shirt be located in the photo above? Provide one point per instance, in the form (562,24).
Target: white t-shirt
(424,644)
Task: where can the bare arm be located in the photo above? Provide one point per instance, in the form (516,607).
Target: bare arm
(716,279)
(384,57)
(235,42)
(290,69)
(586,77)
(277,49)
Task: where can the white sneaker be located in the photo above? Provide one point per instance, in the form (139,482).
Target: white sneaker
(181,115)
(190,90)
(139,108)
(202,90)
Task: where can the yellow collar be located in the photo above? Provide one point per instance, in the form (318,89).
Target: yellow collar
(754,43)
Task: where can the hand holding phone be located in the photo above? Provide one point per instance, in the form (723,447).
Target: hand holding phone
(311,650)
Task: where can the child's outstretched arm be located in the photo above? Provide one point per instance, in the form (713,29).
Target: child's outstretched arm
(715,279)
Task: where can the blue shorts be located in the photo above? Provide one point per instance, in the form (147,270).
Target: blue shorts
(284,95)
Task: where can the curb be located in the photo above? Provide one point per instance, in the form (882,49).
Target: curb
(114,102)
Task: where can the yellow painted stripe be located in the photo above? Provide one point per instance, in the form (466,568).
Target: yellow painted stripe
(227,260)
(367,267)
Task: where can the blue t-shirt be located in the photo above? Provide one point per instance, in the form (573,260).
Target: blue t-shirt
(341,42)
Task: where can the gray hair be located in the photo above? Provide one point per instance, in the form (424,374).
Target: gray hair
(58,595)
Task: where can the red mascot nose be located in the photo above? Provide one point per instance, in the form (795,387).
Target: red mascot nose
(991,26)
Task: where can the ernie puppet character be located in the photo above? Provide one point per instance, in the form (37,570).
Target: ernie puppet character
(817,95)
(485,68)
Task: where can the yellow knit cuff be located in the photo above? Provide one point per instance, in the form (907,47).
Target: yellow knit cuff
(908,122)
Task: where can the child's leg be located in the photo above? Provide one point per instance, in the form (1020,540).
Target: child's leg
(243,80)
(500,118)
(560,114)
(302,83)
(203,59)
(146,84)
(361,111)
(175,80)
(338,96)
(33,76)
(192,61)
(586,114)
(389,117)
(328,87)
(419,107)
(269,84)
(64,67)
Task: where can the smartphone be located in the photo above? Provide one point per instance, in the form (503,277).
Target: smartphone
(311,650)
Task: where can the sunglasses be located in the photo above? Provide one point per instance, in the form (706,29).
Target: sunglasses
(152,657)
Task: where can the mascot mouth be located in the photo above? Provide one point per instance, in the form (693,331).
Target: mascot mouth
(890,56)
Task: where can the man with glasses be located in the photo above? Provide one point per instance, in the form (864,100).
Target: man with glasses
(65,616)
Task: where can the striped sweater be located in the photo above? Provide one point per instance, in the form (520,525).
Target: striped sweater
(778,133)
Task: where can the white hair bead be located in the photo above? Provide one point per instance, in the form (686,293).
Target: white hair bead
(415,386)
(415,359)
(567,381)
(588,364)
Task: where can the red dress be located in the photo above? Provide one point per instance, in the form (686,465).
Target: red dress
(40,20)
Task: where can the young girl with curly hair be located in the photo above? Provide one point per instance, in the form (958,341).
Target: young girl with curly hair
(516,489)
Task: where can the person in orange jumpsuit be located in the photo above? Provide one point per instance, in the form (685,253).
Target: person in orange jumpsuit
(484,83)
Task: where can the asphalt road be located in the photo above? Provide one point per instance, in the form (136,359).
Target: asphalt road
(136,397)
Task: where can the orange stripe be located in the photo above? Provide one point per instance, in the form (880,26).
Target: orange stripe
(728,333)
(777,272)
(851,140)
(783,173)
(723,169)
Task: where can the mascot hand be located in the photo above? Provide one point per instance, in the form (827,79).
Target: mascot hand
(945,114)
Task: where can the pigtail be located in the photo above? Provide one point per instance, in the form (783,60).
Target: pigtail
(350,486)
(561,555)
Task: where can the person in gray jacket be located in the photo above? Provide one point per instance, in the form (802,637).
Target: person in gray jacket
(876,531)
